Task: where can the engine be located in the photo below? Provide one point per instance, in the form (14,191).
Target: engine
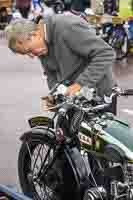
(120,184)
(129,173)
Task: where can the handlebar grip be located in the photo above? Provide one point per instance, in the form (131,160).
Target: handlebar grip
(100,107)
(128,92)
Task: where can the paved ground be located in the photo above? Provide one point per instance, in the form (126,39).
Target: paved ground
(123,72)
(21,85)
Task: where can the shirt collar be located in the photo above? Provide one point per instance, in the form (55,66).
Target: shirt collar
(48,23)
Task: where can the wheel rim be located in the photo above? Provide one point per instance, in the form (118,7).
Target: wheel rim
(37,160)
(36,157)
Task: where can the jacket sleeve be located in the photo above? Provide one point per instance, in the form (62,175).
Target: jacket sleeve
(82,41)
(51,75)
(51,78)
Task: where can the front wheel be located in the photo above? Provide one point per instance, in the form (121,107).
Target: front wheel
(32,156)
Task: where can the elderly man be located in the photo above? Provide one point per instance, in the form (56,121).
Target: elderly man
(68,49)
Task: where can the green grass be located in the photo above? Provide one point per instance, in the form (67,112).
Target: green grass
(125,8)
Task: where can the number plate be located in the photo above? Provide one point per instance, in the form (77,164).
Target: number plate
(40,121)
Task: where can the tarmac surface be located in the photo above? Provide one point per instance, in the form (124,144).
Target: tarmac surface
(21,85)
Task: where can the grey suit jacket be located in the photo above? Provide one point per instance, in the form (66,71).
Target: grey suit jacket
(77,54)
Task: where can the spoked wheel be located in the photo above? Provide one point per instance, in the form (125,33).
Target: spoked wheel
(33,160)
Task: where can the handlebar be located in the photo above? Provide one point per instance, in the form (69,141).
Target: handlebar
(97,108)
(128,92)
(70,101)
(63,108)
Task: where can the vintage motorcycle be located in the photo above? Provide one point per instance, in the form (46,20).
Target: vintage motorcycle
(82,152)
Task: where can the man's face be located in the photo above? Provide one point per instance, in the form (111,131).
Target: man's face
(33,45)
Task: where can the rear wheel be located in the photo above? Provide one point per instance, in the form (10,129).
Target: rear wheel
(31,157)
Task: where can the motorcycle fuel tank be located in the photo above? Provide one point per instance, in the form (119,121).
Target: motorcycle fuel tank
(116,133)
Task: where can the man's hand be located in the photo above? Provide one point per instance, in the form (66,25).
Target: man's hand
(73,89)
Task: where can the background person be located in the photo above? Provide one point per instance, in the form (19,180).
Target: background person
(24,7)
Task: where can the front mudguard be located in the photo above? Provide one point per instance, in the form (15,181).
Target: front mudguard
(39,130)
(39,134)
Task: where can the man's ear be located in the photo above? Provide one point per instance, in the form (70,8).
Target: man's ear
(20,41)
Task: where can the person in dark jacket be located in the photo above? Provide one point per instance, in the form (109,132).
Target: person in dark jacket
(68,50)
(24,7)
(80,5)
(3,17)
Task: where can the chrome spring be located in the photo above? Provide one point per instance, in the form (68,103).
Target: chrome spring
(76,121)
(129,173)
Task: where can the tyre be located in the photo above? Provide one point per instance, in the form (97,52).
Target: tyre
(31,157)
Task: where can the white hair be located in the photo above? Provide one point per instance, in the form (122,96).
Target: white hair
(18,28)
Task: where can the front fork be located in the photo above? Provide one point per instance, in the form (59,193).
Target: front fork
(44,168)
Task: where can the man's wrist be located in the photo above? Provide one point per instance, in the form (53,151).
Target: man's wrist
(73,89)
